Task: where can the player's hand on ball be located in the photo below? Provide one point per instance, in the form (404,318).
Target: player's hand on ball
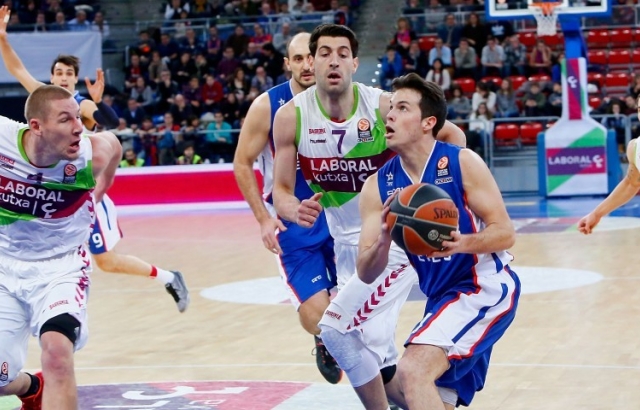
(455,245)
(268,231)
(309,210)
(586,224)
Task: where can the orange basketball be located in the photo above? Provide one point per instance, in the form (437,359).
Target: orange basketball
(421,217)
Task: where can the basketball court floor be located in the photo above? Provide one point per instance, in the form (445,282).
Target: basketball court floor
(573,345)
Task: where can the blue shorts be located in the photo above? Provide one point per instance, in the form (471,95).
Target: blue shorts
(307,264)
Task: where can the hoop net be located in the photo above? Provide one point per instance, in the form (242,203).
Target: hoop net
(546,15)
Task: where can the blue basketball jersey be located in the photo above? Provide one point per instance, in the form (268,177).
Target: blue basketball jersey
(438,275)
(78,97)
(297,236)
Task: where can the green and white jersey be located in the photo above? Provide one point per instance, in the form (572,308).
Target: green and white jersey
(44,212)
(337,157)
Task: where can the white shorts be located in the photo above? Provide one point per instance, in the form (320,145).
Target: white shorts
(31,293)
(372,309)
(106,231)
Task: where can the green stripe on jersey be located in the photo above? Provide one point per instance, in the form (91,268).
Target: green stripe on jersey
(84,180)
(378,145)
(9,217)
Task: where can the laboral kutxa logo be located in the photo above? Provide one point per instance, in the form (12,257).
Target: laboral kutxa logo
(578,160)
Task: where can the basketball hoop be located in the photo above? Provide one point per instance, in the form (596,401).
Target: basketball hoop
(546,15)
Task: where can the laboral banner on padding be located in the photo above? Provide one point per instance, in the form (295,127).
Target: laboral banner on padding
(38,50)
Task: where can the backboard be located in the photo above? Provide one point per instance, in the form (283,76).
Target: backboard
(510,9)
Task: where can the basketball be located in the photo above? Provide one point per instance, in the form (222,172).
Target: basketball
(421,217)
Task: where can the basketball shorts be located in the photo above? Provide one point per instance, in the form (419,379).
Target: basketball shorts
(373,309)
(307,270)
(467,325)
(33,292)
(106,231)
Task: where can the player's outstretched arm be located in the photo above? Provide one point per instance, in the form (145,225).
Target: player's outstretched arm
(375,240)
(107,153)
(452,134)
(14,65)
(95,111)
(623,193)
(254,137)
(485,200)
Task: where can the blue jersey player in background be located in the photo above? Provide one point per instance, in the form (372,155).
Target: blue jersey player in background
(472,293)
(306,258)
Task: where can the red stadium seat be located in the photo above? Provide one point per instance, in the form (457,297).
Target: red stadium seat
(620,59)
(596,57)
(497,81)
(621,38)
(506,134)
(467,85)
(595,78)
(636,35)
(598,38)
(529,133)
(426,42)
(554,41)
(595,102)
(616,80)
(517,81)
(540,78)
(528,39)
(635,58)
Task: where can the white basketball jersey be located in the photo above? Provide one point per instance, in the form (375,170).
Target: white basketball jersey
(44,212)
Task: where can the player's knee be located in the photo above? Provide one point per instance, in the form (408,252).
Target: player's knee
(358,362)
(106,262)
(65,325)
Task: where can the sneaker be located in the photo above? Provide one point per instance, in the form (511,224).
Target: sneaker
(327,365)
(178,290)
(34,402)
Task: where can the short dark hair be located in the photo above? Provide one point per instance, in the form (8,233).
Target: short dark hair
(66,59)
(432,101)
(333,30)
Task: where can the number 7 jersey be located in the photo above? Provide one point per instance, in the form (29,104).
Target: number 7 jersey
(337,157)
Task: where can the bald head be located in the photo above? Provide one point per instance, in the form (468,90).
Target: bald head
(299,44)
(298,60)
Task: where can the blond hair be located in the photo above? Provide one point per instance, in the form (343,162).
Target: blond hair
(39,102)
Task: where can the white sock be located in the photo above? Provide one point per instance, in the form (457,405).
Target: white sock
(163,276)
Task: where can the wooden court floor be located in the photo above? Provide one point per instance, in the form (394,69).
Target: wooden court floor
(573,348)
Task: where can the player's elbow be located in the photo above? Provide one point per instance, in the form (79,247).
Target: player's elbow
(509,236)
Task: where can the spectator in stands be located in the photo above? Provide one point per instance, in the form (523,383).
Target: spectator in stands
(556,69)
(228,63)
(156,66)
(466,60)
(100,25)
(142,93)
(180,110)
(259,37)
(125,134)
(251,58)
(415,14)
(212,94)
(166,91)
(450,32)
(554,101)
(439,75)
(173,9)
(219,139)
(144,47)
(214,46)
(133,71)
(390,67)
(183,69)
(630,107)
(282,37)
(181,25)
(475,32)
(60,23)
(506,106)
(634,89)
(131,160)
(459,106)
(534,101)
(267,15)
(261,80)
(273,62)
(202,9)
(202,66)
(492,58)
(441,51)
(540,58)
(238,40)
(28,12)
(191,43)
(51,9)
(192,133)
(230,109)
(192,93)
(500,29)
(41,23)
(480,128)
(134,114)
(515,57)
(80,22)
(403,36)
(483,95)
(148,137)
(189,156)
(169,136)
(435,13)
(285,15)
(616,121)
(109,100)
(168,48)
(239,81)
(416,60)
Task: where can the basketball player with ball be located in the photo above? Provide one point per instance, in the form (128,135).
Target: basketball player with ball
(472,293)
(336,130)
